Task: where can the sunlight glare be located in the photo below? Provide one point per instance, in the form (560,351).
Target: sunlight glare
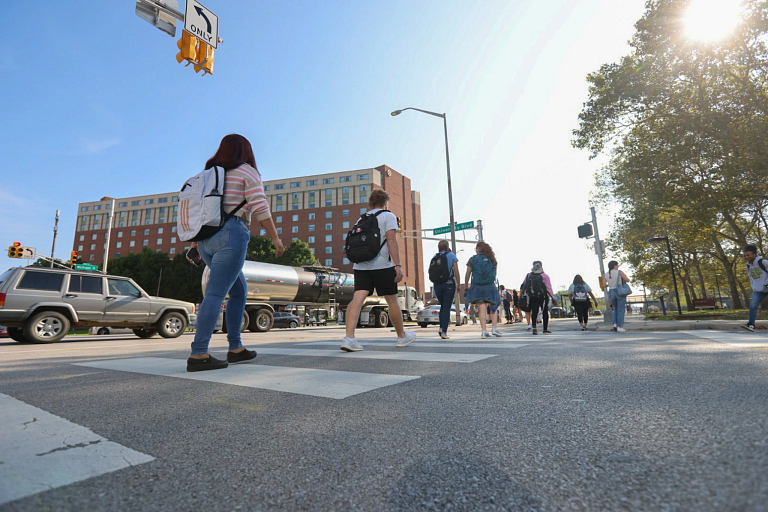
(711,20)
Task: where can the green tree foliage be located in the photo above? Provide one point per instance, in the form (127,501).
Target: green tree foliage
(296,255)
(684,125)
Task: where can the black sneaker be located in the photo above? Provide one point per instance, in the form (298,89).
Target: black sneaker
(241,357)
(535,331)
(749,327)
(547,331)
(209,363)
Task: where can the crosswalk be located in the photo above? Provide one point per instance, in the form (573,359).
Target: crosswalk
(741,339)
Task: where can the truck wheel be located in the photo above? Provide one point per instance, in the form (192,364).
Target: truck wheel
(243,324)
(262,321)
(46,327)
(423,325)
(172,325)
(102,331)
(382,319)
(144,333)
(17,334)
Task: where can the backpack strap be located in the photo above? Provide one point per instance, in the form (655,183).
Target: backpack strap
(760,264)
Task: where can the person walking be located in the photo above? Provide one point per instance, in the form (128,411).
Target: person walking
(444,273)
(380,274)
(757,269)
(613,278)
(516,312)
(224,253)
(506,299)
(483,292)
(579,293)
(538,287)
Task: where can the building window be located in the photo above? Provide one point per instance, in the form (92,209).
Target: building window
(173,229)
(159,231)
(262,232)
(345,213)
(346,261)
(93,236)
(279,231)
(172,251)
(279,186)
(328,225)
(295,217)
(311,204)
(85,208)
(328,262)
(122,205)
(93,247)
(278,219)
(311,216)
(293,239)
(266,188)
(363,189)
(92,257)
(345,178)
(295,184)
(149,201)
(345,224)
(173,239)
(132,243)
(119,234)
(295,229)
(311,240)
(295,206)
(279,208)
(121,224)
(146,231)
(328,214)
(162,200)
(313,250)
(363,210)
(135,203)
(96,226)
(311,183)
(117,255)
(79,247)
(159,241)
(82,237)
(362,177)
(97,207)
(145,243)
(119,244)
(311,227)
(327,181)
(329,238)
(175,198)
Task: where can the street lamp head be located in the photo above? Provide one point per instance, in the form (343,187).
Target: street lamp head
(657,239)
(396,112)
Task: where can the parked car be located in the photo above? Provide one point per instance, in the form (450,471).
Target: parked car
(286,319)
(40,305)
(431,315)
(596,312)
(3,331)
(109,330)
(557,312)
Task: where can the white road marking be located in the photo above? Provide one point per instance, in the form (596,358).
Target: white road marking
(303,381)
(399,356)
(457,344)
(40,451)
(737,339)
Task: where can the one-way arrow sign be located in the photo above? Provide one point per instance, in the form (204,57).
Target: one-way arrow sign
(201,23)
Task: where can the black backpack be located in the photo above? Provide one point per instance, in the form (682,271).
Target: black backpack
(364,240)
(535,287)
(580,293)
(439,271)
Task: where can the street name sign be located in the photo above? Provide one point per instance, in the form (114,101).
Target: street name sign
(86,266)
(201,23)
(459,226)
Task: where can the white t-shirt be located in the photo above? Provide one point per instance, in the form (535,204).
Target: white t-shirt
(387,221)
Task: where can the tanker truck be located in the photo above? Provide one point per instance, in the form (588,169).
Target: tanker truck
(272,286)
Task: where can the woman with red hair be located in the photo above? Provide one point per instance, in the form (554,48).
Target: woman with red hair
(483,291)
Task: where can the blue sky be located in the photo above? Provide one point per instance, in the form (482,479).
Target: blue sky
(96,105)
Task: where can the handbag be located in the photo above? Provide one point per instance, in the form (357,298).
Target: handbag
(522,303)
(623,289)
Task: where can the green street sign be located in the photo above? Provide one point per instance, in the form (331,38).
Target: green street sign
(459,226)
(86,266)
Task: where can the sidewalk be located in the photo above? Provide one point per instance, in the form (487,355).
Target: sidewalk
(637,322)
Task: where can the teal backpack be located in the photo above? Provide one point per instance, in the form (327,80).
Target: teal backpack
(483,270)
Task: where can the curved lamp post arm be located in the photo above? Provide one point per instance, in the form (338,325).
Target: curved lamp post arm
(398,112)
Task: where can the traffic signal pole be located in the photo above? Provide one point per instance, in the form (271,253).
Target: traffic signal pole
(55,231)
(608,313)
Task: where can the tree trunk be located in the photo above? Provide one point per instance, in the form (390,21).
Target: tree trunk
(701,276)
(729,275)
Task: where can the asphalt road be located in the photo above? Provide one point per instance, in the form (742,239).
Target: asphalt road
(567,421)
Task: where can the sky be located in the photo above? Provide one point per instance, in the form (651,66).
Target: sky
(96,105)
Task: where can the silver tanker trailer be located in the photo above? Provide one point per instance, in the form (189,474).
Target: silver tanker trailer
(272,286)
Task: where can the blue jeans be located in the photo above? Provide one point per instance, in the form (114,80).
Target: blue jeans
(619,307)
(444,293)
(754,303)
(224,253)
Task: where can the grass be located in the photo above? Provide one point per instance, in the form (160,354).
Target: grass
(709,314)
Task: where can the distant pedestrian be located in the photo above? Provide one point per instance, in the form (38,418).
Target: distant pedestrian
(579,293)
(444,274)
(516,311)
(224,253)
(506,299)
(757,269)
(538,288)
(614,278)
(380,274)
(483,292)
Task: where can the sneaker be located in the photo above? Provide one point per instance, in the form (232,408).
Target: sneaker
(410,337)
(485,334)
(535,331)
(547,331)
(496,332)
(444,336)
(240,357)
(621,329)
(351,345)
(209,363)
(749,327)
(583,327)
(528,328)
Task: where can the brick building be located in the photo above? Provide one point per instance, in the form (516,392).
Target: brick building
(317,209)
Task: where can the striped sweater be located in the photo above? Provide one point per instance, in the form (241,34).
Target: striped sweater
(244,182)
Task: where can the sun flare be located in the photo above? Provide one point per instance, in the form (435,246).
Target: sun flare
(711,20)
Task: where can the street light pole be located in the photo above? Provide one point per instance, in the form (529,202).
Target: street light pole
(452,222)
(719,298)
(672,266)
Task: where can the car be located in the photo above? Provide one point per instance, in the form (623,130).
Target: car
(40,305)
(109,330)
(3,331)
(431,315)
(286,319)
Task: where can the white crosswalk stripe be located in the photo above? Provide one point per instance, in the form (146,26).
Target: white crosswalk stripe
(40,451)
(435,357)
(304,381)
(737,339)
(456,344)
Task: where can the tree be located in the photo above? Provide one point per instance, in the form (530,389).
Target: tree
(297,254)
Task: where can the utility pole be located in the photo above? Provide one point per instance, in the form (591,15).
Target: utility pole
(55,231)
(607,314)
(109,234)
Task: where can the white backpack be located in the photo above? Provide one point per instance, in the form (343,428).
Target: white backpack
(201,206)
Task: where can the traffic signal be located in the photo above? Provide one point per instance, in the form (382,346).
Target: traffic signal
(204,58)
(585,230)
(399,225)
(187,45)
(14,251)
(73,258)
